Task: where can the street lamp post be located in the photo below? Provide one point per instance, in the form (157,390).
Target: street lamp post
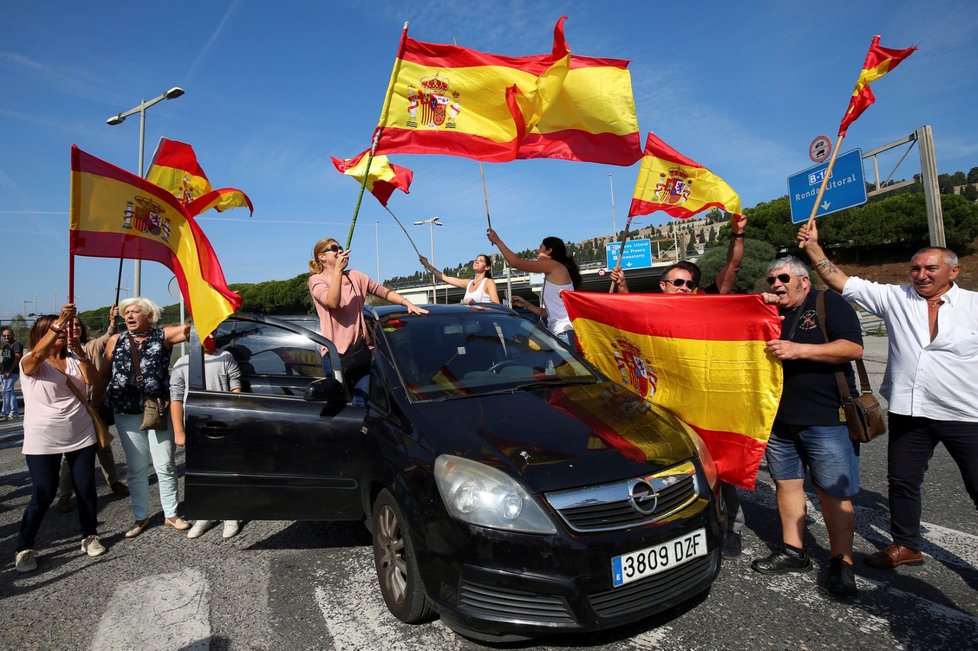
(431,222)
(140,108)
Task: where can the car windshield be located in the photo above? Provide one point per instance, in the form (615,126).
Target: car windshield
(475,352)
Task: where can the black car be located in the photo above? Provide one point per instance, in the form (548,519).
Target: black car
(509,487)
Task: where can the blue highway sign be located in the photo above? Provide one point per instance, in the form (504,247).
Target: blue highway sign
(846,188)
(637,254)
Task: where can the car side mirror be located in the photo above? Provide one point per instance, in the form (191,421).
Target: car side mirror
(327,389)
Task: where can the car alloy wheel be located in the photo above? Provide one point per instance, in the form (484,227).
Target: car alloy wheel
(396,564)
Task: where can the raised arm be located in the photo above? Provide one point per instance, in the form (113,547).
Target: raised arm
(451,280)
(727,276)
(540,265)
(830,274)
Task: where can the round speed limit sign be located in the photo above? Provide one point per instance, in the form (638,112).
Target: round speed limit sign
(820,149)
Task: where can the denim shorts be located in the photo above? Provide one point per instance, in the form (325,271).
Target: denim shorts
(825,450)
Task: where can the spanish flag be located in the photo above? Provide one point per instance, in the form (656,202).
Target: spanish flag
(678,186)
(384,176)
(593,118)
(879,61)
(175,169)
(450,100)
(115,214)
(700,357)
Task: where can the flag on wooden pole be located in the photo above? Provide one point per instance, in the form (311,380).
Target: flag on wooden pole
(879,61)
(383,178)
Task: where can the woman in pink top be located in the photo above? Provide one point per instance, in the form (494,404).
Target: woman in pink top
(56,423)
(339,296)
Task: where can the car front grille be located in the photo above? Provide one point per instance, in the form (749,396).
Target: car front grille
(504,603)
(660,588)
(627,503)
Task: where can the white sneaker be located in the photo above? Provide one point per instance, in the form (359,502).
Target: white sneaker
(25,561)
(200,526)
(92,546)
(231,528)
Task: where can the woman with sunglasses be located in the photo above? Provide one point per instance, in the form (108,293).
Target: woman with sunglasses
(481,289)
(339,295)
(57,423)
(560,274)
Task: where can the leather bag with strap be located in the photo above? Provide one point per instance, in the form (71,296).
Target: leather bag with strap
(155,410)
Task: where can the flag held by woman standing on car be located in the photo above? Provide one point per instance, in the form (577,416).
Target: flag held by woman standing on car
(678,186)
(704,360)
(115,214)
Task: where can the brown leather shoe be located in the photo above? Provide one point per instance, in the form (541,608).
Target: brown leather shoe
(887,559)
(138,528)
(177,523)
(119,488)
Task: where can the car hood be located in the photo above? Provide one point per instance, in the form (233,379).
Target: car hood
(561,437)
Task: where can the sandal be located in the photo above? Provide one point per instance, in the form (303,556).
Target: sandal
(138,528)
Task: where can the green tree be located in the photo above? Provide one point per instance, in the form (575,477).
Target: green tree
(973,175)
(757,256)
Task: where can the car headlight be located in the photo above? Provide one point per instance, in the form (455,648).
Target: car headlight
(706,460)
(478,494)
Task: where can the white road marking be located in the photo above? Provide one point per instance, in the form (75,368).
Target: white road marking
(164,611)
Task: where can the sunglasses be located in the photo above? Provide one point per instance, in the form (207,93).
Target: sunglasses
(679,282)
(784,278)
(335,248)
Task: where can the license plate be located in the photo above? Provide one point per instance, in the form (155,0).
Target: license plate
(658,558)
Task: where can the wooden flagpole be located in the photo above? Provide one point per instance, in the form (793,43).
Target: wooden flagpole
(825,182)
(377,131)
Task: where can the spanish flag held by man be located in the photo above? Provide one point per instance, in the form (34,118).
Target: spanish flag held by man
(704,360)
(879,61)
(384,176)
(116,214)
(677,185)
(175,169)
(445,99)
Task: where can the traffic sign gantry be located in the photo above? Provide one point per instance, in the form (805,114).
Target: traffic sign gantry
(846,187)
(637,254)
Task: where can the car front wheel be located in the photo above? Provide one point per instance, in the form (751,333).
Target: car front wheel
(396,563)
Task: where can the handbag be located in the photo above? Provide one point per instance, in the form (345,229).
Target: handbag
(155,410)
(102,432)
(863,413)
(355,362)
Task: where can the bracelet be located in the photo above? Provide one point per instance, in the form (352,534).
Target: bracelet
(56,328)
(404,302)
(738,235)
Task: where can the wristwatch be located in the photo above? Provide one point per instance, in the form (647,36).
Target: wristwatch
(738,235)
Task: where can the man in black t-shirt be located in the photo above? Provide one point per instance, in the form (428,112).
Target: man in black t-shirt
(809,431)
(10,355)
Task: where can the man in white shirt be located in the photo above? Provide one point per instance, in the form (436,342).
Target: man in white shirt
(932,326)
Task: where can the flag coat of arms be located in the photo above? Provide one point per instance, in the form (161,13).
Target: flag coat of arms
(677,185)
(115,214)
(175,169)
(701,357)
(452,100)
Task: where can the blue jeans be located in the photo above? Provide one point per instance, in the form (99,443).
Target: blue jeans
(9,398)
(140,447)
(825,450)
(44,469)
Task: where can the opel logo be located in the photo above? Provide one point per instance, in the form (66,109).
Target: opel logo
(643,496)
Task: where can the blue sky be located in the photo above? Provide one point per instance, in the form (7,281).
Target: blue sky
(274,89)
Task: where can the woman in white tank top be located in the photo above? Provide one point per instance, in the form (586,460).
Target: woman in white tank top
(481,289)
(560,273)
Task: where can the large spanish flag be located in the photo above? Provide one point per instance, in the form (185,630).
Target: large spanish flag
(879,61)
(451,100)
(700,357)
(384,176)
(678,186)
(175,169)
(115,214)
(593,118)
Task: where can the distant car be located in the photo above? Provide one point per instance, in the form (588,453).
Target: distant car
(508,485)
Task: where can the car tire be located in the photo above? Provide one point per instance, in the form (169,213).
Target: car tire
(396,563)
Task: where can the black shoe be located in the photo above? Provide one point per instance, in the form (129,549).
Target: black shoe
(731,545)
(780,562)
(842,582)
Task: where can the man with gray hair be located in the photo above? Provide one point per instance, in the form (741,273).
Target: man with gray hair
(809,432)
(932,325)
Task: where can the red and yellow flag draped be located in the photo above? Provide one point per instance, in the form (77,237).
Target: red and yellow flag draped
(678,186)
(879,61)
(115,214)
(175,169)
(593,118)
(701,357)
(452,100)
(384,176)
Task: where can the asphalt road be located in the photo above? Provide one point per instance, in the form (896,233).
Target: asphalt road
(306,585)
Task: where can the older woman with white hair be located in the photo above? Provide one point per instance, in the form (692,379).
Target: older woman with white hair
(137,363)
